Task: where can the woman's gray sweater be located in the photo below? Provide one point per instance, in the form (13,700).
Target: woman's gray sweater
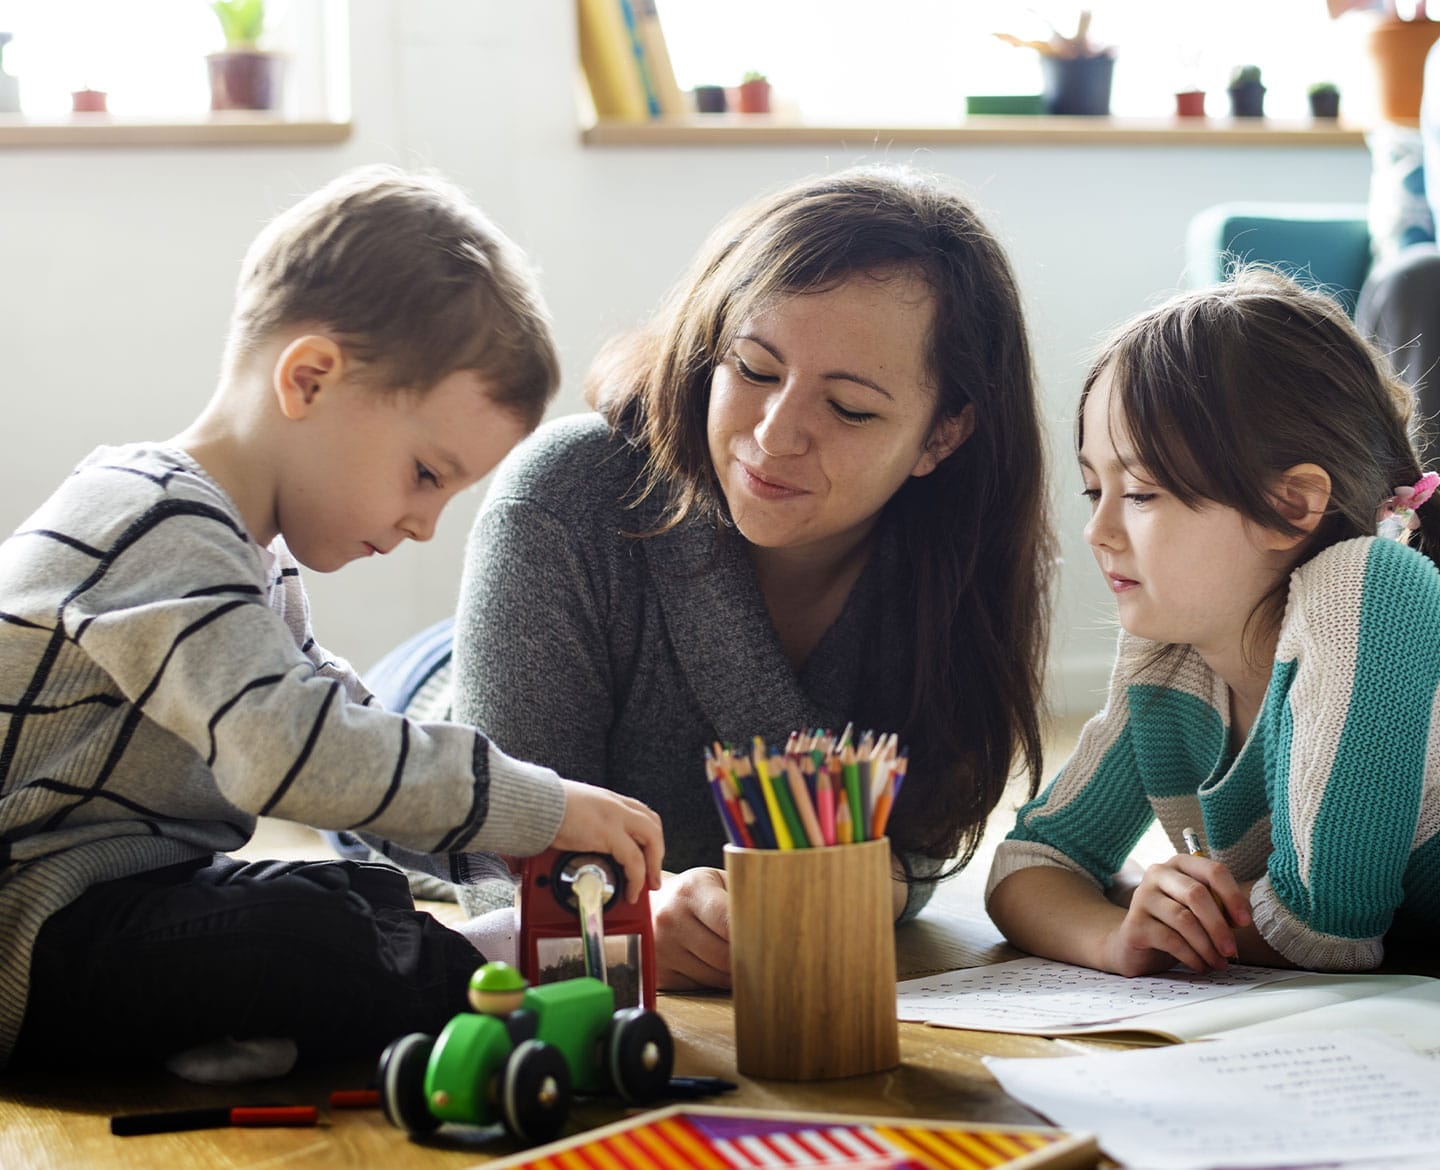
(616,660)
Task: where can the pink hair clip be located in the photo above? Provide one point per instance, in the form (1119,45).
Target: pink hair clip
(1397,514)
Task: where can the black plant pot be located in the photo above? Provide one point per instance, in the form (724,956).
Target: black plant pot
(1248,100)
(710,99)
(1077,85)
(1325,104)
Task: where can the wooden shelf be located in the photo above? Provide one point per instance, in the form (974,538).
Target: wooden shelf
(227,129)
(766,130)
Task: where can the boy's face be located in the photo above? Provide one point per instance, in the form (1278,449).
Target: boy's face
(369,469)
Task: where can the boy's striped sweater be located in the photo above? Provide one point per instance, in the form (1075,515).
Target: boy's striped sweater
(1332,806)
(160,689)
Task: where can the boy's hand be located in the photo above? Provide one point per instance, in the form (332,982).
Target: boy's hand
(692,930)
(597,820)
(1184,910)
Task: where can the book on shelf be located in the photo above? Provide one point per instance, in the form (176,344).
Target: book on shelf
(671,98)
(637,50)
(607,56)
(1044,998)
(693,1137)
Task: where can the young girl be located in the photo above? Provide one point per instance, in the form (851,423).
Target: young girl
(1275,685)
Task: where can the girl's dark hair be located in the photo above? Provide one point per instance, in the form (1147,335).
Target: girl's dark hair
(1223,389)
(977,541)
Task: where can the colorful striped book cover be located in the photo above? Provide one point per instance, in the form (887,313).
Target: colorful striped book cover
(687,1137)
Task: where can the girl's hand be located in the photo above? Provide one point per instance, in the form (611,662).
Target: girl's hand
(597,820)
(1184,910)
(691,915)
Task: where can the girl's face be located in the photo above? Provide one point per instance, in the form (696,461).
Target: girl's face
(821,410)
(1182,575)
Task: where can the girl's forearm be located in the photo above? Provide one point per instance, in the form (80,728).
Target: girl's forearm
(1056,914)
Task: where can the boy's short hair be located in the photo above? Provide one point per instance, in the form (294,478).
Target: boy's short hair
(411,278)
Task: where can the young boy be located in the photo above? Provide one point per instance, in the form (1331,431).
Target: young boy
(160,689)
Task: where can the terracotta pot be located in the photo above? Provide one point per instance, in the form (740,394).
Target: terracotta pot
(245,80)
(88,101)
(1397,50)
(1190,103)
(753,97)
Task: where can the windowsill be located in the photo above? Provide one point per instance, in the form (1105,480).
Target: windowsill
(989,130)
(232,128)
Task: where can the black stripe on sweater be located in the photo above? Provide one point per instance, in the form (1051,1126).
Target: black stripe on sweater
(265,680)
(304,752)
(396,775)
(86,795)
(17,620)
(480,802)
(61,538)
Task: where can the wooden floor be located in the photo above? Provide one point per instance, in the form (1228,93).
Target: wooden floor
(61,1123)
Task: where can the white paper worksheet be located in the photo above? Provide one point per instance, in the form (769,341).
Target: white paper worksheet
(1290,1100)
(1045,997)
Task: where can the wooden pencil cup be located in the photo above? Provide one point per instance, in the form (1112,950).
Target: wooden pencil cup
(812,961)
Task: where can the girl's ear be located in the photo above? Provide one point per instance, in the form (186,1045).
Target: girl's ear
(305,367)
(944,440)
(1301,494)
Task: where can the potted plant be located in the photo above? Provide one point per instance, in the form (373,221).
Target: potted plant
(243,76)
(1190,103)
(1397,45)
(1324,99)
(89,101)
(753,96)
(1077,72)
(710,99)
(1247,92)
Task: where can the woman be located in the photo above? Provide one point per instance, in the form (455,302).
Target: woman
(813,495)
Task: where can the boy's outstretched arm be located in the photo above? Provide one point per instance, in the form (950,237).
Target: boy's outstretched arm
(598,820)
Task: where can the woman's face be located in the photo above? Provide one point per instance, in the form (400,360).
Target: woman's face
(821,410)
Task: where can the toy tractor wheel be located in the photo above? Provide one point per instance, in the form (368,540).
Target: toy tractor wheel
(639,1055)
(535,1092)
(402,1083)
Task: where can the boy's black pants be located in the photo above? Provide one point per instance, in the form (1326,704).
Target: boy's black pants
(330,954)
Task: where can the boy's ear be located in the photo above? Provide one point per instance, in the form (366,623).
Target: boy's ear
(945,439)
(309,364)
(1301,494)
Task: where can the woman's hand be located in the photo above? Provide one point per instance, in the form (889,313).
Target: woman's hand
(597,820)
(1186,910)
(691,915)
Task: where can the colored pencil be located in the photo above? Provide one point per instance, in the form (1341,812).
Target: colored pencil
(219,1117)
(804,806)
(775,766)
(844,830)
(825,806)
(783,839)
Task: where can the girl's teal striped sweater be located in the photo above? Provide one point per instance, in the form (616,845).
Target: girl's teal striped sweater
(1332,805)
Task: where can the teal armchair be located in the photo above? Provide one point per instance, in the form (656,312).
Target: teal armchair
(1320,244)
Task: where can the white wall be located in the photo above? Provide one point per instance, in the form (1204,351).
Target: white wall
(118,264)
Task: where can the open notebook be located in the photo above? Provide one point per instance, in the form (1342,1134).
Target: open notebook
(1044,998)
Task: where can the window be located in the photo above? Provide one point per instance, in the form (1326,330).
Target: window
(914,61)
(150,58)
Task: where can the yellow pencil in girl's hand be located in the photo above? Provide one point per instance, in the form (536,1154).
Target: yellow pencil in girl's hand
(1195,849)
